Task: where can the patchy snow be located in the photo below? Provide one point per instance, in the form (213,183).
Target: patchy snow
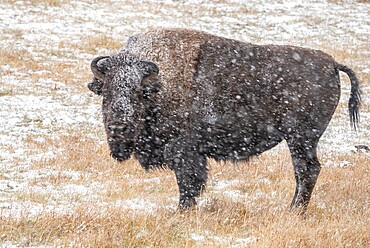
(208,238)
(342,164)
(223,184)
(22,116)
(137,204)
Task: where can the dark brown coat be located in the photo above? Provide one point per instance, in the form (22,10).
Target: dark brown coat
(175,97)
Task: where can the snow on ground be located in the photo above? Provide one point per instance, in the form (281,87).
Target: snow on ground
(47,107)
(207,238)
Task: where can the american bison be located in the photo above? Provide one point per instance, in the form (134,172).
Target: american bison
(173,97)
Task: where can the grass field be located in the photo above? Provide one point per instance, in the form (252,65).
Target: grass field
(60,188)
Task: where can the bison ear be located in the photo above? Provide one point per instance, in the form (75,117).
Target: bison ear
(148,68)
(100,66)
(96,86)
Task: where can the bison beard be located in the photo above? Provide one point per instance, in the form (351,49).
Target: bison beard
(207,96)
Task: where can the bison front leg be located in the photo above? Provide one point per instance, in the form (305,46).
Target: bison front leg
(191,172)
(306,170)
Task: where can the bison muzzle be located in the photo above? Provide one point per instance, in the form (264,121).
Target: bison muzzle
(175,97)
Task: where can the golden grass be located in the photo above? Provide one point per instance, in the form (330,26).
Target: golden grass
(336,216)
(93,44)
(56,64)
(34,68)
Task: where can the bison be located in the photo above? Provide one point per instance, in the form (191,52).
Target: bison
(175,97)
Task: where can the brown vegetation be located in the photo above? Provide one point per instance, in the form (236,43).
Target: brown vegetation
(259,218)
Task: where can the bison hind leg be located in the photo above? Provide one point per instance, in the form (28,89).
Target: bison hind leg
(306,170)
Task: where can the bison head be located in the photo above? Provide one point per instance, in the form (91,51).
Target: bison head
(124,81)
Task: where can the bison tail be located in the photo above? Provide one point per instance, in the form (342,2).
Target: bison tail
(354,102)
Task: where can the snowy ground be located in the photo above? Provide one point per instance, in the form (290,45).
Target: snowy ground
(33,103)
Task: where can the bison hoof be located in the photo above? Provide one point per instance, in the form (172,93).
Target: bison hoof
(300,209)
(187,204)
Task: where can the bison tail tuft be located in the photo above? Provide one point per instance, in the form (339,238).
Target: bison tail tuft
(354,102)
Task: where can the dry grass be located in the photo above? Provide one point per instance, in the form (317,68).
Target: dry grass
(336,216)
(46,67)
(94,44)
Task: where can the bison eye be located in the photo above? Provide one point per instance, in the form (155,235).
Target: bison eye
(149,90)
(117,129)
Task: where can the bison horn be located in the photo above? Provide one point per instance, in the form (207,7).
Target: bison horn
(99,69)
